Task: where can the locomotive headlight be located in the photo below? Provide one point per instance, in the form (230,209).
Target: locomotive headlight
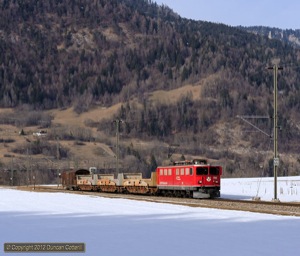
(200,181)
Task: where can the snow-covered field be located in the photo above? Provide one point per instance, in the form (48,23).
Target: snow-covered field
(124,227)
(288,188)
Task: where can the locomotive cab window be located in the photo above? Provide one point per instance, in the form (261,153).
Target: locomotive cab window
(214,170)
(202,171)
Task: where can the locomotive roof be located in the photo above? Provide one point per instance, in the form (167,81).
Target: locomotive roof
(191,162)
(202,162)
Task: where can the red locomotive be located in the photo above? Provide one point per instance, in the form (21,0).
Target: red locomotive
(196,179)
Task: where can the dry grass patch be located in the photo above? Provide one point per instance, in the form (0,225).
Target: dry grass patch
(172,96)
(69,117)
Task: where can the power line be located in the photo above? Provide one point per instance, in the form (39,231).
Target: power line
(244,118)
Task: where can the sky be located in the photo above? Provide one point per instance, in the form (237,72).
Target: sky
(113,227)
(279,14)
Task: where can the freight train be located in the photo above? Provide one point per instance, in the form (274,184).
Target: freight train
(195,179)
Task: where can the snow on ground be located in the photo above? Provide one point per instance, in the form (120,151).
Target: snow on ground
(111,227)
(288,188)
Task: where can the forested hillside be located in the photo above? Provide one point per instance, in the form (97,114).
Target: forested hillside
(82,54)
(54,52)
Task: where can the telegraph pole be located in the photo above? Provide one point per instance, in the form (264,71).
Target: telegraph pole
(27,168)
(117,121)
(275,68)
(57,159)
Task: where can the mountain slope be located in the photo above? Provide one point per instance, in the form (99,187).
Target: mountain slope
(62,53)
(173,81)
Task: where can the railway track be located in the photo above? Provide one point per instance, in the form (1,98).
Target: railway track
(277,208)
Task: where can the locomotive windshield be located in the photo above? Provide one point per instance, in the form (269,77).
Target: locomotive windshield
(214,170)
(202,171)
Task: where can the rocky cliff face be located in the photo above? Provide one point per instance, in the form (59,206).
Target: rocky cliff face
(289,36)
